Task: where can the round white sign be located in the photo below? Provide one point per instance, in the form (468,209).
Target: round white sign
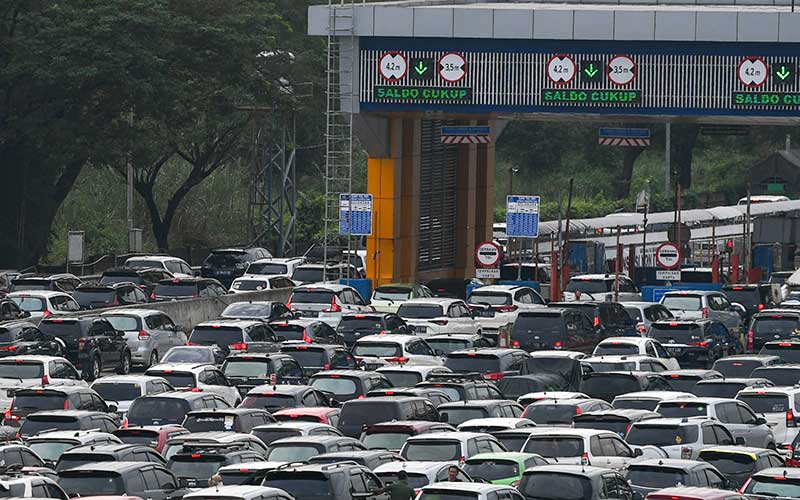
(561,69)
(392,66)
(668,255)
(752,72)
(452,67)
(487,254)
(621,70)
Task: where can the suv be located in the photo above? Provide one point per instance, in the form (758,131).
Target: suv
(449,342)
(477,491)
(608,385)
(680,437)
(96,296)
(396,349)
(354,326)
(583,446)
(196,463)
(237,487)
(491,363)
(779,405)
(226,420)
(246,371)
(32,400)
(310,331)
(754,297)
(654,474)
(64,282)
(62,420)
(348,384)
(301,448)
(328,302)
(619,421)
(562,411)
(149,333)
(82,455)
(600,287)
(646,400)
(145,279)
(251,283)
(270,433)
(276,397)
(789,351)
(274,267)
(439,315)
(34,371)
(44,304)
(410,375)
(155,436)
(499,305)
(770,326)
(742,365)
(776,482)
(235,336)
(554,328)
(22,484)
(459,412)
(170,408)
(449,446)
(197,378)
(261,310)
(391,435)
(387,298)
(702,305)
(697,343)
(91,343)
(737,463)
(23,338)
(727,387)
(133,479)
(177,267)
(225,264)
(687,380)
(565,482)
(636,346)
(339,481)
(315,358)
(646,313)
(50,445)
(780,375)
(609,319)
(689,493)
(462,387)
(368,458)
(187,288)
(357,414)
(222,440)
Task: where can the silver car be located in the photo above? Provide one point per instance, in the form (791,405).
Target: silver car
(696,304)
(150,334)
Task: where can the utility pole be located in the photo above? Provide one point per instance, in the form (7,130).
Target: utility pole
(667,157)
(129,210)
(746,243)
(565,247)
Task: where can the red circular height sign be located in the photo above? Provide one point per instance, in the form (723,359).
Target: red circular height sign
(668,255)
(488,254)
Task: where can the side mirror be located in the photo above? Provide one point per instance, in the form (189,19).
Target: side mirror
(118,333)
(26,314)
(637,452)
(739,441)
(280,338)
(444,417)
(113,408)
(761,421)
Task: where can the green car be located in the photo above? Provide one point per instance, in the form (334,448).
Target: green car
(504,468)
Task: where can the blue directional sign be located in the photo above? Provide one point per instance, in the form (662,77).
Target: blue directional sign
(522,216)
(355,214)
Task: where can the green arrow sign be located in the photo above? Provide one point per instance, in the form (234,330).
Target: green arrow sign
(420,68)
(591,71)
(783,73)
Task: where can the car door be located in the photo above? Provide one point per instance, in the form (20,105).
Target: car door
(758,435)
(728,414)
(665,356)
(728,315)
(610,455)
(63,373)
(37,342)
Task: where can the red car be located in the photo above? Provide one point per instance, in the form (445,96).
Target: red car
(321,414)
(154,436)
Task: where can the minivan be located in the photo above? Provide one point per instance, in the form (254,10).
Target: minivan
(554,328)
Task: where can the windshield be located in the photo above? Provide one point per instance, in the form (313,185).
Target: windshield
(118,391)
(336,386)
(125,323)
(420,311)
(188,355)
(209,423)
(554,447)
(555,486)
(766,403)
(291,452)
(547,413)
(717,389)
(778,376)
(386,440)
(220,336)
(473,362)
(783,326)
(248,368)
(21,370)
(677,333)
(656,477)
(661,435)
(269,402)
(145,410)
(308,275)
(773,487)
(175,290)
(459,415)
(360,323)
(447,345)
(378,349)
(392,293)
(490,469)
(589,286)
(682,302)
(176,379)
(92,483)
(195,468)
(30,304)
(267,268)
(302,486)
(736,368)
(490,299)
(616,349)
(729,463)
(315,297)
(246,310)
(432,451)
(402,378)
(269,436)
(681,410)
(414,480)
(50,451)
(30,400)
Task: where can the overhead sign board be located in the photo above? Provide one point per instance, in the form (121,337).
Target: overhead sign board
(668,255)
(522,216)
(355,214)
(488,254)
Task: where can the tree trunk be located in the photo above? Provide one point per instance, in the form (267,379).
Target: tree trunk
(628,161)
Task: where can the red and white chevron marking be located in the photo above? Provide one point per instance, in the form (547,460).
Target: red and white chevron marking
(465,139)
(624,141)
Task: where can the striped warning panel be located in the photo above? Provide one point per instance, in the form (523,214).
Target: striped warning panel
(624,141)
(465,139)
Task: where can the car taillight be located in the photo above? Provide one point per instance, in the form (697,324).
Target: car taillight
(81,344)
(306,338)
(47,314)
(361,396)
(578,410)
(790,422)
(398,359)
(66,404)
(761,307)
(11,348)
(596,322)
(144,335)
(239,346)
(494,376)
(326,366)
(558,345)
(704,343)
(686,453)
(585,459)
(510,308)
(45,380)
(440,322)
(125,421)
(792,463)
(705,312)
(750,340)
(641,328)
(153,296)
(335,307)
(289,302)
(515,343)
(383,332)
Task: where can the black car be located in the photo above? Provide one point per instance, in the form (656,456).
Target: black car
(770,326)
(462,388)
(141,479)
(226,420)
(170,407)
(685,380)
(339,481)
(568,482)
(788,350)
(82,455)
(277,397)
(195,464)
(370,459)
(310,331)
(743,365)
(738,463)
(697,343)
(358,413)
(608,385)
(459,412)
(315,358)
(345,385)
(145,279)
(246,371)
(227,264)
(354,326)
(780,375)
(262,310)
(23,337)
(446,343)
(651,475)
(64,282)
(555,328)
(754,297)
(491,363)
(9,310)
(91,344)
(56,397)
(435,396)
(187,288)
(234,336)
(67,420)
(96,296)
(727,387)
(610,319)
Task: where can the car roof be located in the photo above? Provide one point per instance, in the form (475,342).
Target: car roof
(626,340)
(279,389)
(313,439)
(177,395)
(317,411)
(415,424)
(770,390)
(471,403)
(495,351)
(66,389)
(393,338)
(511,455)
(660,395)
(413,467)
(573,470)
(735,380)
(215,436)
(384,399)
(471,487)
(457,436)
(672,463)
(78,435)
(37,293)
(494,421)
(742,450)
(180,367)
(673,421)
(421,369)
(345,373)
(129,378)
(441,301)
(500,288)
(67,413)
(331,287)
(132,312)
(237,491)
(226,411)
(705,401)
(292,424)
(789,472)
(115,466)
(628,413)
(105,448)
(158,258)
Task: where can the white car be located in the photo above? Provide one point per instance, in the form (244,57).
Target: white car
(275,267)
(779,405)
(257,283)
(239,492)
(177,266)
(396,349)
(636,346)
(451,447)
(646,400)
(45,303)
(197,378)
(32,371)
(292,428)
(123,389)
(419,473)
(388,298)
(532,397)
(328,302)
(439,315)
(600,288)
(645,313)
(495,424)
(409,375)
(626,363)
(473,491)
(503,303)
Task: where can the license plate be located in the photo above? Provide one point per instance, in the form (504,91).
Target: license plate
(310,314)
(487,313)
(224,273)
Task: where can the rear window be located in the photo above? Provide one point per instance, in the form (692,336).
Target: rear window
(473,362)
(778,376)
(567,486)
(302,485)
(175,290)
(38,423)
(270,435)
(222,336)
(291,452)
(420,311)
(120,278)
(681,410)
(601,366)
(39,400)
(248,368)
(779,486)
(635,404)
(137,436)
(72,460)
(16,370)
(615,348)
(458,414)
(554,446)
(392,293)
(30,304)
(682,302)
(315,297)
(308,275)
(433,450)
(729,463)
(415,480)
(589,286)
(547,414)
(661,435)
(789,351)
(446,495)
(766,403)
(246,310)
(308,357)
(491,469)
(267,268)
(546,326)
(22,285)
(656,477)
(145,410)
(339,386)
(369,413)
(61,329)
(607,423)
(224,259)
(378,349)
(361,323)
(402,378)
(125,323)
(269,401)
(144,264)
(208,423)
(490,299)
(179,380)
(88,483)
(447,345)
(94,296)
(608,385)
(776,325)
(200,467)
(678,333)
(387,440)
(736,368)
(289,331)
(117,391)
(718,389)
(750,298)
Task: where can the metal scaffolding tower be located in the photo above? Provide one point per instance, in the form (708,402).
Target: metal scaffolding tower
(339,118)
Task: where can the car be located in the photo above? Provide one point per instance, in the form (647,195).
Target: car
(601,287)
(686,380)
(44,304)
(646,313)
(10,311)
(244,474)
(310,331)
(789,351)
(449,446)
(736,416)
(145,279)
(277,397)
(256,283)
(197,378)
(340,481)
(201,354)
(499,305)
(780,406)
(646,400)
(149,333)
(696,343)
(652,475)
(622,363)
(245,371)
(82,455)
(91,343)
(391,435)
(196,463)
(737,463)
(754,297)
(62,420)
(238,492)
(34,371)
(225,264)
(697,304)
(179,288)
(155,436)
(494,424)
(49,446)
(318,414)
(449,342)
(504,468)
(431,316)
(772,325)
(19,454)
(396,349)
(619,421)
(609,319)
(409,375)
(315,358)
(780,375)
(462,387)
(140,479)
(355,326)
(387,298)
(358,413)
(169,408)
(274,266)
(794,459)
(301,448)
(554,328)
(742,365)
(368,458)
(681,438)
(327,302)
(261,310)
(608,385)
(222,441)
(24,338)
(531,271)
(226,420)
(235,336)
(310,273)
(61,282)
(34,399)
(475,491)
(96,296)
(419,474)
(570,482)
(174,265)
(533,397)
(586,447)
(348,384)
(270,433)
(775,482)
(727,387)
(693,493)
(31,482)
(562,411)
(458,412)
(491,363)
(636,346)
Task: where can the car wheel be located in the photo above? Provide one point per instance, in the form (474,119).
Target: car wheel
(153,359)
(94,369)
(125,365)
